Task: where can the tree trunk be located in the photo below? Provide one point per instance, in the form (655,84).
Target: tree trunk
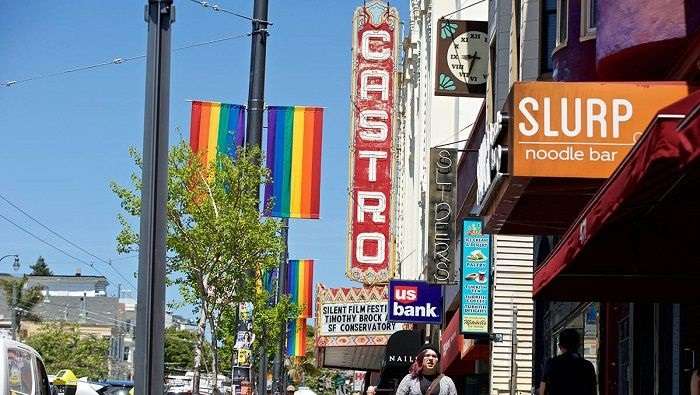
(236,323)
(199,351)
(213,324)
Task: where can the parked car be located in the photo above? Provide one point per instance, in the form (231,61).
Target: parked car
(104,388)
(22,370)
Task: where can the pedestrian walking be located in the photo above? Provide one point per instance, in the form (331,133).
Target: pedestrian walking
(568,373)
(424,376)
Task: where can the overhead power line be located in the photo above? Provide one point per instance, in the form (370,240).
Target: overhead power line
(108,262)
(217,8)
(116,61)
(463,8)
(91,265)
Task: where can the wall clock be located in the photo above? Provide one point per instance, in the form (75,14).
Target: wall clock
(462,58)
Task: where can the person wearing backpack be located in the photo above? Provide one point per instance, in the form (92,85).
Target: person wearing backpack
(424,376)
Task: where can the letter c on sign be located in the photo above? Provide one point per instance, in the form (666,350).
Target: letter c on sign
(360,248)
(367,52)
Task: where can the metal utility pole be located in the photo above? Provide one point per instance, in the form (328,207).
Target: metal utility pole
(150,315)
(256,106)
(277,371)
(256,87)
(15,302)
(513,353)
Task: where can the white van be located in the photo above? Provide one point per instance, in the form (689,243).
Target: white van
(22,370)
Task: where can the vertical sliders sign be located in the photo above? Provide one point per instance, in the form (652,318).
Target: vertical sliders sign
(441,216)
(375,49)
(475,307)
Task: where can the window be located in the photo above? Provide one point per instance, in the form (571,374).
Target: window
(44,388)
(20,375)
(549,35)
(589,18)
(126,353)
(562,22)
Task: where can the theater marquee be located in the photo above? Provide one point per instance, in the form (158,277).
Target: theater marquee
(372,125)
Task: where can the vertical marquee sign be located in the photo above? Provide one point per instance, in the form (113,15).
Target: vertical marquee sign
(475,307)
(372,126)
(442,193)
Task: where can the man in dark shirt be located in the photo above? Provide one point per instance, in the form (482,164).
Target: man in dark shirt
(568,373)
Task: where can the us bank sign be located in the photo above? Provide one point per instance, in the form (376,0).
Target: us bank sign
(415,301)
(375,48)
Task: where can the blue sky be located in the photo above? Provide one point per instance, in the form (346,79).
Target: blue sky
(64,138)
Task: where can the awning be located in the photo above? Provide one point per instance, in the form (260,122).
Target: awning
(638,238)
(401,350)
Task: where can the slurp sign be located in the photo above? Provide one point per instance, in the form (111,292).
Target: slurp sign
(582,129)
(415,301)
(375,48)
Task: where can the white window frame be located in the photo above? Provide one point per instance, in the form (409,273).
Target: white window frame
(588,32)
(562,13)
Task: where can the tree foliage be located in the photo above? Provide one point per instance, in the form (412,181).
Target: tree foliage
(40,268)
(219,247)
(179,350)
(27,298)
(304,370)
(63,347)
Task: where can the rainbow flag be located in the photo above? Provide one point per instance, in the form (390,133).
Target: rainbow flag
(299,284)
(294,137)
(296,338)
(216,128)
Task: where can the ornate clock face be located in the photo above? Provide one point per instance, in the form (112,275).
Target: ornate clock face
(467,57)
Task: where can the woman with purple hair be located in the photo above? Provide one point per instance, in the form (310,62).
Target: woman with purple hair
(424,377)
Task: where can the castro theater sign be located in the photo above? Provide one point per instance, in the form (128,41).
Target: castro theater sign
(415,301)
(374,54)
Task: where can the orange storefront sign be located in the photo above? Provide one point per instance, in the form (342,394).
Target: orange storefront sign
(582,129)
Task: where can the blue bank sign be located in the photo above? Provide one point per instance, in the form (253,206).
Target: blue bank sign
(415,301)
(476,278)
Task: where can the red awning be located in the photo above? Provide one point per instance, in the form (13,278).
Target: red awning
(638,238)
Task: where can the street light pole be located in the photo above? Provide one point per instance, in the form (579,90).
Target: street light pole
(256,87)
(256,106)
(15,295)
(150,314)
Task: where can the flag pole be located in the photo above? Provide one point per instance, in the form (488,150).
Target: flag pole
(256,106)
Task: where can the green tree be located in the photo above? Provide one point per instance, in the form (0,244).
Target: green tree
(63,347)
(26,298)
(219,246)
(179,350)
(40,268)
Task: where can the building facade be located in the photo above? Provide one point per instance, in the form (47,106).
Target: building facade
(83,301)
(590,231)
(426,121)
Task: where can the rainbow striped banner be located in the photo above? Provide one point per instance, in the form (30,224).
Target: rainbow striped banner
(294,137)
(216,128)
(299,284)
(296,338)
